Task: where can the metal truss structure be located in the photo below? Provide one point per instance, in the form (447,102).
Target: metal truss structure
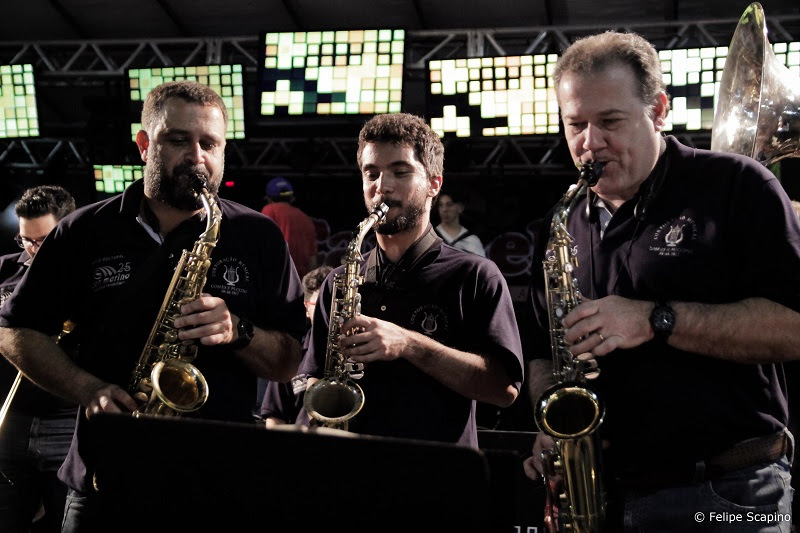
(76,64)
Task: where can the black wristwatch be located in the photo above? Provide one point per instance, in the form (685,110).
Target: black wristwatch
(245,331)
(662,320)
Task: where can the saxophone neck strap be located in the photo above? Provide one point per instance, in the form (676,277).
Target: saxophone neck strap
(387,274)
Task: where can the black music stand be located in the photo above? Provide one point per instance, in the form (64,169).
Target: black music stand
(192,474)
(517,502)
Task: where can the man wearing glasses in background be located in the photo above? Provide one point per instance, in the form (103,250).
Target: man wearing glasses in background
(36,432)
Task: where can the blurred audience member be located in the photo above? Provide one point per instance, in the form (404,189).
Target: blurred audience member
(297,227)
(451,207)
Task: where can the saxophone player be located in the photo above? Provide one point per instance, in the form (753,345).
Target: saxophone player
(437,330)
(689,267)
(247,321)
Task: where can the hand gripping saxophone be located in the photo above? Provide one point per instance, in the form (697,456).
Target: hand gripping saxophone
(164,381)
(336,398)
(569,412)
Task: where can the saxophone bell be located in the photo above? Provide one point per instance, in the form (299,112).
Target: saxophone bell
(333,401)
(178,387)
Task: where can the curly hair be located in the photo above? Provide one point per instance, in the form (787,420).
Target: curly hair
(313,280)
(405,129)
(45,200)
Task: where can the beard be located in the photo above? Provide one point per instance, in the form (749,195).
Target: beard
(176,188)
(408,218)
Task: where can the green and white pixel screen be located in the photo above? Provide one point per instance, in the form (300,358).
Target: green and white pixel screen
(113,179)
(348,72)
(19,117)
(226,80)
(692,76)
(490,96)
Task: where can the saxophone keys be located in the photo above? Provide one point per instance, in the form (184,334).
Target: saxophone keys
(170,336)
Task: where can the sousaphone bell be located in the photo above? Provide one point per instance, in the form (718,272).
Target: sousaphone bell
(758,109)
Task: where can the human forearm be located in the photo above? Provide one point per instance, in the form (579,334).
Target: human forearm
(750,331)
(271,354)
(472,375)
(539,378)
(42,361)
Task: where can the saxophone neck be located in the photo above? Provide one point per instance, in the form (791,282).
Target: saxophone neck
(212,211)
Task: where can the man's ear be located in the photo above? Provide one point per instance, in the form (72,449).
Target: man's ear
(660,110)
(435,185)
(143,142)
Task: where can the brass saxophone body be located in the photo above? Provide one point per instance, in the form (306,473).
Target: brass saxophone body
(333,400)
(569,412)
(164,381)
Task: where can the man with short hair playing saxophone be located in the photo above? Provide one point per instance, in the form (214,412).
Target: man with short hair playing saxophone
(437,330)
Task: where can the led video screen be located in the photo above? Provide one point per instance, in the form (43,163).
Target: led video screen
(114,179)
(346,72)
(18,102)
(226,80)
(491,96)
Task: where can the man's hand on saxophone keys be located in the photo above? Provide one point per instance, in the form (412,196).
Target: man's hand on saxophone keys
(109,398)
(603,325)
(370,339)
(208,319)
(533,465)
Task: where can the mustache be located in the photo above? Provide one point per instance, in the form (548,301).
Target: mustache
(188,170)
(392,203)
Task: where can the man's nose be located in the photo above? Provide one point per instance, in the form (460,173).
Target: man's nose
(593,138)
(195,154)
(384,184)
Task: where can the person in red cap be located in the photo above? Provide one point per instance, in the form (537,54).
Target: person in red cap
(297,227)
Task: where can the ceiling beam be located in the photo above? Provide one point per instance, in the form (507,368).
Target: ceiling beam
(68,18)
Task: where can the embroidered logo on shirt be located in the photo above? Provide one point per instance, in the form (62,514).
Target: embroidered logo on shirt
(673,238)
(110,272)
(229,276)
(430,320)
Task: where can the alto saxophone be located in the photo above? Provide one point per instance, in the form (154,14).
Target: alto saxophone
(336,398)
(164,381)
(569,412)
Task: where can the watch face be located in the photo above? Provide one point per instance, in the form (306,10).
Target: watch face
(663,320)
(245,329)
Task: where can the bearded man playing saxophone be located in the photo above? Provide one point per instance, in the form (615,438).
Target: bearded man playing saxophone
(123,252)
(437,330)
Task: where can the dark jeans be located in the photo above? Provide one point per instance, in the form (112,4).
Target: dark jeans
(31,452)
(755,499)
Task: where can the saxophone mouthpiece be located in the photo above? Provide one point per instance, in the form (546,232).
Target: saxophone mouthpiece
(591,171)
(379,211)
(199,181)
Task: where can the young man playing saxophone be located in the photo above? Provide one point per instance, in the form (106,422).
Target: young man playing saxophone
(437,330)
(123,252)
